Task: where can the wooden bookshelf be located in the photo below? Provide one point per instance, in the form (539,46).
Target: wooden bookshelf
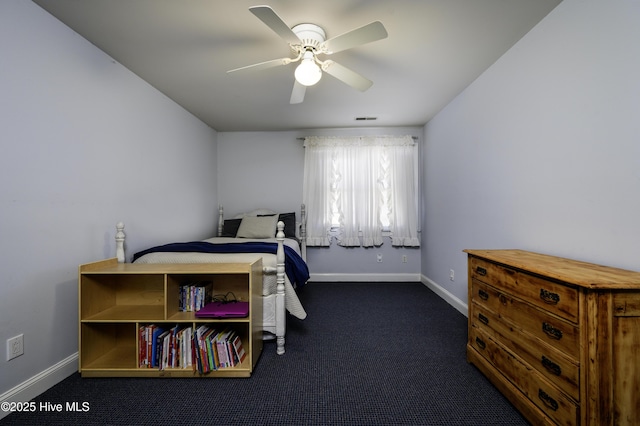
(116,299)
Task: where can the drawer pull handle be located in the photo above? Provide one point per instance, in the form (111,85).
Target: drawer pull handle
(481,271)
(551,331)
(551,366)
(481,344)
(548,401)
(549,297)
(483,319)
(483,294)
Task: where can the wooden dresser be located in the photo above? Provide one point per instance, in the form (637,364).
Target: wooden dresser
(560,338)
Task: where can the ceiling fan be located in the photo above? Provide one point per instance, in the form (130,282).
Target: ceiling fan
(307,41)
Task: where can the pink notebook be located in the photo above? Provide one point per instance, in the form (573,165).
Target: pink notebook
(224,310)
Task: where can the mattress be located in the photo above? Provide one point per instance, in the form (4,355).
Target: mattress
(292,302)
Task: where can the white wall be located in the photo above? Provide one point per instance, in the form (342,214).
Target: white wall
(245,158)
(85,144)
(259,170)
(542,152)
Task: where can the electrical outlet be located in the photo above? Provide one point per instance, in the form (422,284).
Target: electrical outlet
(452,274)
(15,347)
(404,258)
(379,258)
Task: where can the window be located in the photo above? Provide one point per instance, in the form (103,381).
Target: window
(361,186)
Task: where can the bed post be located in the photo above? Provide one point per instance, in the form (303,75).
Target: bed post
(303,232)
(120,242)
(220,220)
(280,300)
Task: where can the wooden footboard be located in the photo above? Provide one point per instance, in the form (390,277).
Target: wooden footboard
(274,308)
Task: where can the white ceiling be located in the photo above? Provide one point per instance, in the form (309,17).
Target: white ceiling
(183,48)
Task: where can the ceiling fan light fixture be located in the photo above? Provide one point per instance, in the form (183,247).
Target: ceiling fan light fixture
(308,72)
(308,40)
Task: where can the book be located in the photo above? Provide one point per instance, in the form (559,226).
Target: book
(153,359)
(239,349)
(233,357)
(194,296)
(173,359)
(196,350)
(166,344)
(184,336)
(210,350)
(202,358)
(149,343)
(142,345)
(222,350)
(159,343)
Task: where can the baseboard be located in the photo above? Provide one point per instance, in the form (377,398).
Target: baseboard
(39,383)
(364,277)
(458,304)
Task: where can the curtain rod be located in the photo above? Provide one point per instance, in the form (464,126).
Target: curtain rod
(415,138)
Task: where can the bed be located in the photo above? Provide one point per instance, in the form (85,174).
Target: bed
(277,237)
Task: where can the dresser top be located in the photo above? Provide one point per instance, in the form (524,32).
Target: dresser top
(570,271)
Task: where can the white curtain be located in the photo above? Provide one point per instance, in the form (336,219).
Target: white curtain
(403,215)
(318,172)
(358,172)
(361,185)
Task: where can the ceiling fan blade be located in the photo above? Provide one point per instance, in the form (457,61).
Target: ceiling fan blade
(347,76)
(365,34)
(273,21)
(264,65)
(297,94)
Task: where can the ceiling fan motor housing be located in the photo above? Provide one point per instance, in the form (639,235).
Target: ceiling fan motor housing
(311,35)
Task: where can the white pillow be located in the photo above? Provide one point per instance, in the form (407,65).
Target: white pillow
(257,227)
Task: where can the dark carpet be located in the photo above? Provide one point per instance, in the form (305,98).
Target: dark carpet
(367,354)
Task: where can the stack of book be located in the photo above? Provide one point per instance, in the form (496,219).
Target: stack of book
(165,348)
(194,296)
(215,350)
(202,348)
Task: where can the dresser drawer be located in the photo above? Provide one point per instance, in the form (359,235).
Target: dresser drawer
(551,363)
(492,273)
(554,297)
(548,398)
(560,299)
(556,332)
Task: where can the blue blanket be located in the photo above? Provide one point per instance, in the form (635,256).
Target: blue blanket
(294,266)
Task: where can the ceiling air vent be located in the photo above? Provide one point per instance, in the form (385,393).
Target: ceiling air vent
(366,118)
